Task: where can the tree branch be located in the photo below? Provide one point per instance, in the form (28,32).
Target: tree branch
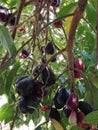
(75,21)
(18,17)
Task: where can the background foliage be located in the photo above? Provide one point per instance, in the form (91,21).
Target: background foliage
(37,33)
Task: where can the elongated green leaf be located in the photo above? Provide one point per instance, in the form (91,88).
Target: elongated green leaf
(6,112)
(7,41)
(91,14)
(91,118)
(67,9)
(10,77)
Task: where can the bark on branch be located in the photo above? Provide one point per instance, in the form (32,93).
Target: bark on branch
(78,13)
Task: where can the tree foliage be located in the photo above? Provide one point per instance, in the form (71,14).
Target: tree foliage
(22,47)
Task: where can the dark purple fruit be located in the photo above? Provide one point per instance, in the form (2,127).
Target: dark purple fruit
(21,78)
(11,19)
(66,111)
(37,70)
(25,52)
(62,96)
(72,102)
(48,77)
(25,85)
(3,14)
(40,90)
(49,48)
(54,59)
(85,107)
(56,3)
(57,105)
(27,104)
(54,114)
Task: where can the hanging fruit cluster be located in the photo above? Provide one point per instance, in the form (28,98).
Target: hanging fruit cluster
(32,89)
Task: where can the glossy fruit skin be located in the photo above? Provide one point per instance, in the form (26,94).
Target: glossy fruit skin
(80,117)
(54,114)
(54,59)
(48,77)
(56,3)
(58,24)
(40,90)
(3,14)
(25,85)
(49,48)
(11,19)
(24,54)
(66,111)
(56,104)
(85,107)
(62,96)
(37,70)
(72,102)
(27,104)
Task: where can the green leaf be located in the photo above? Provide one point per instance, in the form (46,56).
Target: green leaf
(92,98)
(91,14)
(67,9)
(91,118)
(6,112)
(76,128)
(7,41)
(10,77)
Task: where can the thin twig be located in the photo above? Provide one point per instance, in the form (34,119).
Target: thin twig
(97,36)
(18,17)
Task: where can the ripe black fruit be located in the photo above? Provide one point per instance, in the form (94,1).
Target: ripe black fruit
(48,77)
(66,111)
(49,48)
(62,96)
(11,19)
(54,59)
(57,105)
(85,107)
(56,3)
(27,104)
(54,114)
(40,90)
(25,85)
(37,70)
(3,14)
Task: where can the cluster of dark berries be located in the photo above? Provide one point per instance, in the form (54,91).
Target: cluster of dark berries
(5,16)
(78,65)
(74,109)
(47,75)
(30,91)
